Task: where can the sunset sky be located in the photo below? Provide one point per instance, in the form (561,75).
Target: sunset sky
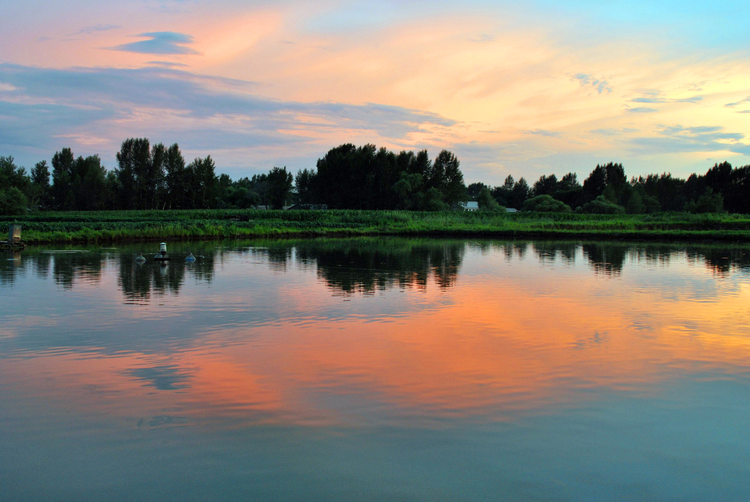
(524,89)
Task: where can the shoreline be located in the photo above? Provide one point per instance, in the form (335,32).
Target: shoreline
(206,225)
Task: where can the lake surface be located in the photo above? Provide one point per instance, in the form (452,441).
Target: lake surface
(376,369)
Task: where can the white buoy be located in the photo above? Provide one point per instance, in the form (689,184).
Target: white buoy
(162,256)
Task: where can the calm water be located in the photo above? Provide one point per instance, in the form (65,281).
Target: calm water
(380,369)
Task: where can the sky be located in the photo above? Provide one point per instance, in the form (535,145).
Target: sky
(525,89)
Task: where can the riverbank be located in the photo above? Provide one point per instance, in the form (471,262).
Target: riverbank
(140,226)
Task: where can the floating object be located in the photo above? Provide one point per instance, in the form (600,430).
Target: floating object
(140,259)
(190,258)
(162,255)
(14,239)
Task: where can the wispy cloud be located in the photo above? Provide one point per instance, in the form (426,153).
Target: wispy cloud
(543,132)
(730,105)
(202,113)
(642,109)
(648,100)
(97,28)
(160,42)
(600,85)
(653,99)
(692,139)
(614,132)
(167,64)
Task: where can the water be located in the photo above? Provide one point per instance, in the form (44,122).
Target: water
(376,369)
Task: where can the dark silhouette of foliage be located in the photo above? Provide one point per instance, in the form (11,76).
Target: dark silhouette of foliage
(546,204)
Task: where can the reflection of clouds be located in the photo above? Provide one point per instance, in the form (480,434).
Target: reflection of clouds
(506,339)
(168,377)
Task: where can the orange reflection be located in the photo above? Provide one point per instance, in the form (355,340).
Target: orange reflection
(489,346)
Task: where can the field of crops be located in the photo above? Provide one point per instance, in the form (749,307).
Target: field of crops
(110,226)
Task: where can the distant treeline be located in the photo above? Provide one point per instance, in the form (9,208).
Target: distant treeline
(349,177)
(607,191)
(146,177)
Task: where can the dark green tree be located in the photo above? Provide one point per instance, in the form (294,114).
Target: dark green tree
(62,179)
(449,179)
(279,187)
(486,201)
(40,185)
(14,183)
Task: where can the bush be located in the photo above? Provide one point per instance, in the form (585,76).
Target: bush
(486,201)
(709,202)
(546,204)
(12,201)
(601,205)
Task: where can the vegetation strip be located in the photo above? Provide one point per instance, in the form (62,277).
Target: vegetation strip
(134,226)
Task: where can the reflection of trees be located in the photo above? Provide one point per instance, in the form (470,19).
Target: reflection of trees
(9,267)
(70,267)
(348,265)
(549,251)
(721,260)
(606,259)
(365,266)
(42,264)
(138,282)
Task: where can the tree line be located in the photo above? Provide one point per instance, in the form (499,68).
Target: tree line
(146,177)
(349,177)
(607,190)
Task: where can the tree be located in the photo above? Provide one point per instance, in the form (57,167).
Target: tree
(40,184)
(601,205)
(13,183)
(546,204)
(12,201)
(503,193)
(279,187)
(176,179)
(545,185)
(304,186)
(88,185)
(594,185)
(709,202)
(204,182)
(448,178)
(62,178)
(486,201)
(473,190)
(519,194)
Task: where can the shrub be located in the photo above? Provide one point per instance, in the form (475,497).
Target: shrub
(601,205)
(546,204)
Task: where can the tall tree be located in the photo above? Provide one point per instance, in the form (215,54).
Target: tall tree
(452,186)
(40,177)
(204,182)
(279,187)
(176,182)
(62,179)
(14,183)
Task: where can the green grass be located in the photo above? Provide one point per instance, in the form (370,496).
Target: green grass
(123,226)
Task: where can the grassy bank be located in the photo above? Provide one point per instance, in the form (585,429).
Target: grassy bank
(123,226)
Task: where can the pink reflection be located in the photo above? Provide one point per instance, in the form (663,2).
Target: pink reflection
(490,347)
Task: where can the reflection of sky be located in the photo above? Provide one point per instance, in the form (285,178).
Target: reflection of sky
(528,369)
(512,89)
